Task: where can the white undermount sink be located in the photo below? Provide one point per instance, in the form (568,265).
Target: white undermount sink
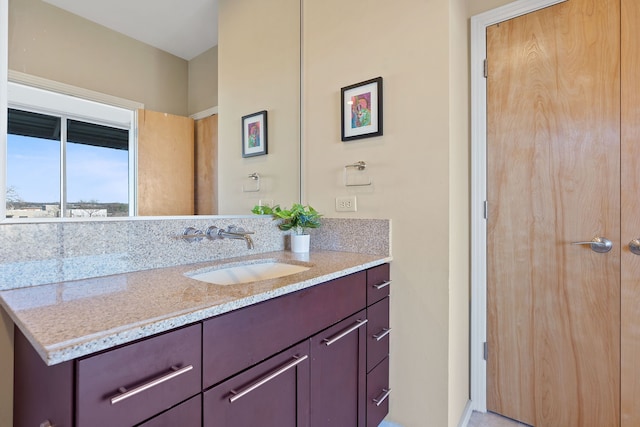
(245,273)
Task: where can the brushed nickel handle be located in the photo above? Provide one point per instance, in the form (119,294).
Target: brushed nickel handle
(634,246)
(382,285)
(382,334)
(385,394)
(340,335)
(125,394)
(598,244)
(238,394)
(46,423)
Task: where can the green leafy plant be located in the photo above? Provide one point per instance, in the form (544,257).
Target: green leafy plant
(298,218)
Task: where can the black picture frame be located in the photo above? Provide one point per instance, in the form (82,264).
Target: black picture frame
(361,110)
(254,134)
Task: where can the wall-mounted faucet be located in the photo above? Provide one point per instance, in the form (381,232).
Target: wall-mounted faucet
(232,232)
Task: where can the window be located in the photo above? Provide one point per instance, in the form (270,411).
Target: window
(67,161)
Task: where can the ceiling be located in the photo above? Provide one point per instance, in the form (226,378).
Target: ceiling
(184,28)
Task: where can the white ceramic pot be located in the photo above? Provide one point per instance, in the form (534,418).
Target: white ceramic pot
(300,243)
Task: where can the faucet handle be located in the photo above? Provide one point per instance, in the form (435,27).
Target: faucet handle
(240,230)
(213,232)
(192,234)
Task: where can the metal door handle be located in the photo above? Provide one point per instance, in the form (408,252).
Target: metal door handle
(385,394)
(382,285)
(381,334)
(238,394)
(598,244)
(634,246)
(125,394)
(339,336)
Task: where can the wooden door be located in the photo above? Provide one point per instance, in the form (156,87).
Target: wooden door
(206,166)
(553,153)
(630,316)
(165,164)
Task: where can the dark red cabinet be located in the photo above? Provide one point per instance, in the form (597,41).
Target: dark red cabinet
(253,333)
(312,358)
(379,332)
(378,337)
(41,393)
(130,384)
(378,393)
(338,374)
(378,283)
(187,414)
(274,393)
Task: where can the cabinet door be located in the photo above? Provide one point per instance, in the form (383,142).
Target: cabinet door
(41,393)
(274,393)
(338,377)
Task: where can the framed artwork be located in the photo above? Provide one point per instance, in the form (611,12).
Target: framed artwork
(362,110)
(254,134)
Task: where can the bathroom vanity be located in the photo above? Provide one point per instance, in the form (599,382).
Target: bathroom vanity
(311,349)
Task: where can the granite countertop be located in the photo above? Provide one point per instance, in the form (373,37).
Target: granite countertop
(67,320)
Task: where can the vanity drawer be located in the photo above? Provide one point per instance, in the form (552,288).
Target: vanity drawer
(378,333)
(275,393)
(378,393)
(157,373)
(239,339)
(378,283)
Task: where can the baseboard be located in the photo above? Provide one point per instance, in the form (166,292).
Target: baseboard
(464,419)
(466,415)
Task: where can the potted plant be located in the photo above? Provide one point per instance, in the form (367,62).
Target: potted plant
(298,218)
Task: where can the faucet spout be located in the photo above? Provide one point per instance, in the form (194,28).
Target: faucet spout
(249,241)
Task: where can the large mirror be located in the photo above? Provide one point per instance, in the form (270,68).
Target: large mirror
(254,67)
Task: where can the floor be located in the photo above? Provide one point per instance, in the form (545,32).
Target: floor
(492,420)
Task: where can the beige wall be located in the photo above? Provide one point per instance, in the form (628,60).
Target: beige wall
(203,81)
(48,42)
(407,43)
(479,6)
(259,63)
(459,289)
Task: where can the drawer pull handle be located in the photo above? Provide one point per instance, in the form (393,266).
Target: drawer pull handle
(382,285)
(385,394)
(359,323)
(382,334)
(238,394)
(125,394)
(46,423)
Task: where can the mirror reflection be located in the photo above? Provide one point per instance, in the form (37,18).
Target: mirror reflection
(187,158)
(96,167)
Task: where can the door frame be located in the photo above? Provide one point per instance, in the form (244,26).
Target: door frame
(478,327)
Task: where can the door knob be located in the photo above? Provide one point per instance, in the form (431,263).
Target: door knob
(599,244)
(634,246)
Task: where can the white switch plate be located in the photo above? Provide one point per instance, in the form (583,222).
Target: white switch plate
(346,204)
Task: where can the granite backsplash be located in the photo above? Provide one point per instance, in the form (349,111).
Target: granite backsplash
(49,252)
